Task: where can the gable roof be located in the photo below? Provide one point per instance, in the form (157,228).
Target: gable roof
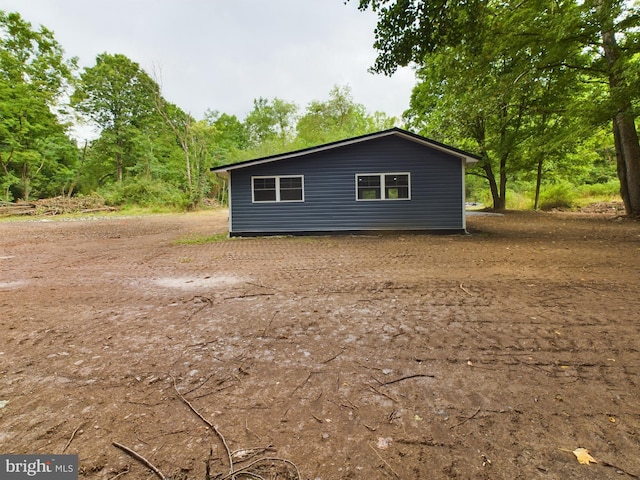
(469,158)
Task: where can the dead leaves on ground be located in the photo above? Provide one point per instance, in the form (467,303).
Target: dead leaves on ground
(583,456)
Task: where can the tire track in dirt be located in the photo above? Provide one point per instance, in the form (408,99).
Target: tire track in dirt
(510,345)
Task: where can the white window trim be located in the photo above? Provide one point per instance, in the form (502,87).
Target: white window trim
(277,178)
(382,187)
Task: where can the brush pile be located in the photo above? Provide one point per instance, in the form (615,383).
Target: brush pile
(55,206)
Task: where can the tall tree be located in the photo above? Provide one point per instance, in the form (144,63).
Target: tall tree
(231,136)
(271,121)
(197,141)
(34,76)
(119,97)
(596,37)
(495,103)
(337,118)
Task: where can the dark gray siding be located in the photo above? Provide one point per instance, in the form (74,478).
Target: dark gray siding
(330,191)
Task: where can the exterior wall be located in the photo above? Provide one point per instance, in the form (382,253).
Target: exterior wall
(330,205)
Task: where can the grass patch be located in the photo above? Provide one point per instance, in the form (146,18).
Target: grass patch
(203,240)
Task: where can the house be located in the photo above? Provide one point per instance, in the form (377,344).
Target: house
(389,180)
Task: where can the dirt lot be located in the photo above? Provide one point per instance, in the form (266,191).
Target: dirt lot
(487,356)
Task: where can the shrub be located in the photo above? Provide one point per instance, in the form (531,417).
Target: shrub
(559,195)
(144,192)
(610,189)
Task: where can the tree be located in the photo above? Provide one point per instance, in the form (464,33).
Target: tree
(230,133)
(337,118)
(34,76)
(271,121)
(196,139)
(119,97)
(496,104)
(598,38)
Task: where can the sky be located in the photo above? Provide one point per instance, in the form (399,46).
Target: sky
(222,54)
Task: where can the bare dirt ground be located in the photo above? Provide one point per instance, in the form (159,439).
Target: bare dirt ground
(486,356)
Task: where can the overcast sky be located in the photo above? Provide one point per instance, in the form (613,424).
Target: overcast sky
(221,54)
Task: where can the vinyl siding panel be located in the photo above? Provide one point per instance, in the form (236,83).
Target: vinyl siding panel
(330,203)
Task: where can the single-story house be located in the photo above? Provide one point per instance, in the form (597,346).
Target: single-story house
(389,180)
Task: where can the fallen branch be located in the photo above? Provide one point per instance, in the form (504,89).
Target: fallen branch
(334,357)
(246,427)
(209,424)
(141,459)
(264,332)
(304,381)
(124,472)
(245,470)
(382,393)
(465,290)
(465,420)
(419,375)
(246,454)
(72,437)
(249,295)
(384,461)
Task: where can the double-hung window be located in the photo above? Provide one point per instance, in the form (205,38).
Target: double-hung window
(383,186)
(285,188)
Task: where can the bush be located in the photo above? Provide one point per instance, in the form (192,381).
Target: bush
(558,195)
(610,189)
(519,199)
(144,192)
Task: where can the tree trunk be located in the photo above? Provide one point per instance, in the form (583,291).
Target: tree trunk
(628,160)
(503,183)
(118,168)
(79,171)
(536,201)
(624,128)
(5,169)
(478,129)
(493,186)
(26,183)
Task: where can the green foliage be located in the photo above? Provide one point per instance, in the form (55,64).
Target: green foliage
(511,83)
(270,122)
(118,96)
(561,195)
(337,118)
(529,77)
(600,191)
(409,30)
(494,100)
(230,136)
(144,192)
(35,153)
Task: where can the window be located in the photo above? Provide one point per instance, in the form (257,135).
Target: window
(383,186)
(278,189)
(264,189)
(396,186)
(369,187)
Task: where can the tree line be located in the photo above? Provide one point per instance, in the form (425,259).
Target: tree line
(148,149)
(535,113)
